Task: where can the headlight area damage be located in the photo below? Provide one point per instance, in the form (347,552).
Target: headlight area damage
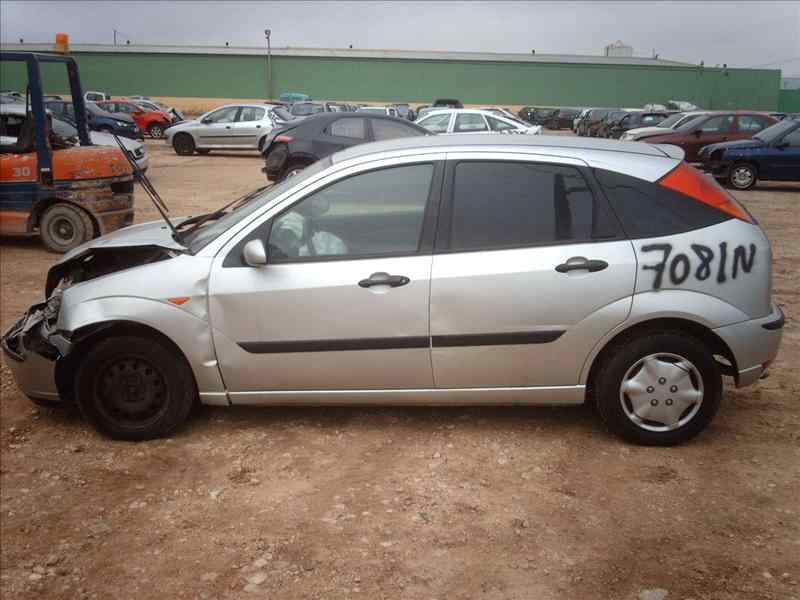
(34,345)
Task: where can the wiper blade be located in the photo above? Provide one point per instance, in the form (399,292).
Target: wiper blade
(199,220)
(161,207)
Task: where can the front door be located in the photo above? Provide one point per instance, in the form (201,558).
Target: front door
(785,158)
(216,128)
(529,272)
(343,302)
(714,130)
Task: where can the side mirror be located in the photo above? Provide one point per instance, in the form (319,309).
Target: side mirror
(254,253)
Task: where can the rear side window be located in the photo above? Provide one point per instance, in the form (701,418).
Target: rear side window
(506,204)
(647,209)
(498,125)
(383,129)
(470,122)
(349,128)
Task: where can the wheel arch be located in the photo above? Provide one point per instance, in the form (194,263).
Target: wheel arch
(84,338)
(716,344)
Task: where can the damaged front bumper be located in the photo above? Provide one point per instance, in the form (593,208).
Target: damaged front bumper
(33,347)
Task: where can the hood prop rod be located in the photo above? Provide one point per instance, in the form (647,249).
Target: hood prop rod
(160,205)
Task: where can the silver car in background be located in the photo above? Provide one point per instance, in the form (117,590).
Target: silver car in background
(229,127)
(474,121)
(424,270)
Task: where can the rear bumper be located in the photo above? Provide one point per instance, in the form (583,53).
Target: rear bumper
(754,344)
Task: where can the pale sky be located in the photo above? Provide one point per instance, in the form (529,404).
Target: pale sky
(741,34)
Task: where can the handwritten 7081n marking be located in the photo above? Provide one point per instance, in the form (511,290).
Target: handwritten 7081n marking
(680,268)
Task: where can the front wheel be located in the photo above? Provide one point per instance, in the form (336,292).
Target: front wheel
(659,389)
(64,226)
(183,144)
(134,388)
(742,176)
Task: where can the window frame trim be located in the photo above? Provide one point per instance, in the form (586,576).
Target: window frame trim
(442,243)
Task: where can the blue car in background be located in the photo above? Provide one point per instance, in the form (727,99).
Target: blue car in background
(97,119)
(772,154)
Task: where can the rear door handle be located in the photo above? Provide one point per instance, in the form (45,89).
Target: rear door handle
(580,263)
(384,279)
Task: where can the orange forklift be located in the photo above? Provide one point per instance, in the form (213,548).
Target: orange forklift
(67,192)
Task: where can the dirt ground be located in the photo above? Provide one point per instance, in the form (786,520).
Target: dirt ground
(391,503)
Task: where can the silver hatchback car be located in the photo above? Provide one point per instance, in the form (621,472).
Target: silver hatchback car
(229,127)
(441,270)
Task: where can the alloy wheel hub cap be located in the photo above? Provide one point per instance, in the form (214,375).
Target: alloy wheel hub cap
(661,392)
(742,176)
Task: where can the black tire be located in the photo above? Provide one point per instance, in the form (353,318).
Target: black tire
(261,145)
(156,131)
(183,144)
(615,407)
(742,176)
(134,388)
(64,226)
(202,151)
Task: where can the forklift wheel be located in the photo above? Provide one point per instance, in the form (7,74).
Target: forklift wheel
(63,227)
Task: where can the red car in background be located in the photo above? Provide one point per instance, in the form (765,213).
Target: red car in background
(149,121)
(712,128)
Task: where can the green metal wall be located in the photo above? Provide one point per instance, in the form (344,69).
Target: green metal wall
(789,101)
(503,83)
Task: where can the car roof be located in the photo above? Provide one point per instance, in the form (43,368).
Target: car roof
(540,143)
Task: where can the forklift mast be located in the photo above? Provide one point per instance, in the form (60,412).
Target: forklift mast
(37,108)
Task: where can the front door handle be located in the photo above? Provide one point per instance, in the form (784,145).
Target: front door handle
(580,263)
(227,126)
(384,279)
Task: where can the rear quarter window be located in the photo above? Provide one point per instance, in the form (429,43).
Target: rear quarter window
(647,209)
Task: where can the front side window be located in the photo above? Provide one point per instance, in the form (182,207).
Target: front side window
(498,125)
(223,115)
(721,124)
(369,214)
(383,129)
(650,120)
(505,204)
(436,123)
(349,128)
(251,113)
(468,122)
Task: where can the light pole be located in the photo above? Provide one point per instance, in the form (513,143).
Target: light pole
(267,33)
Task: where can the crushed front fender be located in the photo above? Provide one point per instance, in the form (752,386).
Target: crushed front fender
(33,347)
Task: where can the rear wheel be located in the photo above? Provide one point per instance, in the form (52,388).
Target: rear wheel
(742,176)
(183,144)
(134,388)
(63,227)
(658,389)
(156,130)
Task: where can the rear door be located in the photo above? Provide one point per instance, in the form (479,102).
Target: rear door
(529,272)
(248,126)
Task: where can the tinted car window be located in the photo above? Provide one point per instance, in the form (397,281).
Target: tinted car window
(436,123)
(349,128)
(383,129)
(649,210)
(793,139)
(375,213)
(251,113)
(721,124)
(304,110)
(504,204)
(470,122)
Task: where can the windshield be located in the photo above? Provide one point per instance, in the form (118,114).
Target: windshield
(303,110)
(671,120)
(772,133)
(198,239)
(282,113)
(63,129)
(692,124)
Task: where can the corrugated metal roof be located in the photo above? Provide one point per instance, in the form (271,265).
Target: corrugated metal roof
(358,53)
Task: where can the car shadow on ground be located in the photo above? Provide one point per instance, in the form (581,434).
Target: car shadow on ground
(30,240)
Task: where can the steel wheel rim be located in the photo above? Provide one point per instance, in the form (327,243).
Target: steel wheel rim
(131,392)
(661,392)
(156,131)
(742,176)
(63,230)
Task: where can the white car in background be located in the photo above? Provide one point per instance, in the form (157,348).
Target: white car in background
(470,120)
(390,111)
(671,122)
